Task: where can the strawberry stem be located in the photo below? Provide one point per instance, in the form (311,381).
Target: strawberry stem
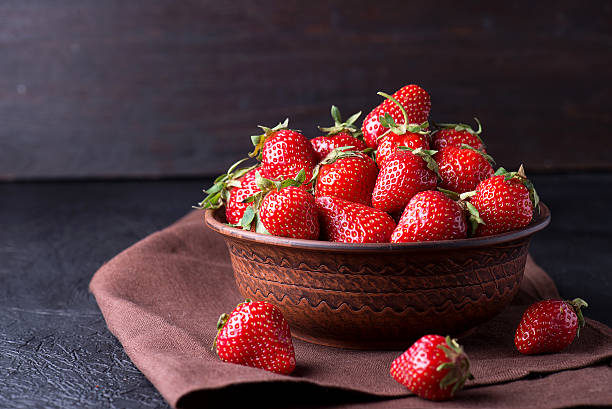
(577,304)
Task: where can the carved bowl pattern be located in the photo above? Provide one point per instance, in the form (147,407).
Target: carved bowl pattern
(370,296)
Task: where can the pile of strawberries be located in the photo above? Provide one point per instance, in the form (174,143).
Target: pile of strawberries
(398,179)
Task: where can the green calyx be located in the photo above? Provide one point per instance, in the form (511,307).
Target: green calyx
(488,157)
(251,213)
(218,193)
(387,121)
(463,127)
(426,155)
(458,366)
(521,177)
(339,126)
(577,304)
(223,318)
(259,140)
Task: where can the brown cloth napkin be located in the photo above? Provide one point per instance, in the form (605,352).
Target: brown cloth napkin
(162,297)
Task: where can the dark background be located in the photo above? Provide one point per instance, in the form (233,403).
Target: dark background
(109,89)
(114,115)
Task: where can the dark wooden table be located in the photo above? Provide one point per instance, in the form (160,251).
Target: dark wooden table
(55,349)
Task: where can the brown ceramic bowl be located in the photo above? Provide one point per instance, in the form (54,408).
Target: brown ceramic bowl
(379,295)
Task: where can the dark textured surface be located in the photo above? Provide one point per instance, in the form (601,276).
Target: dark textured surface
(55,350)
(105,88)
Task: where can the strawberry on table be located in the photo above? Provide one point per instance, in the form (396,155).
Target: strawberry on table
(414,99)
(339,135)
(405,173)
(349,222)
(430,215)
(504,202)
(434,367)
(457,135)
(282,208)
(283,152)
(346,174)
(463,168)
(549,326)
(256,334)
(231,188)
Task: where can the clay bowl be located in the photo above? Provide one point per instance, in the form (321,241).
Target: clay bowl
(379,296)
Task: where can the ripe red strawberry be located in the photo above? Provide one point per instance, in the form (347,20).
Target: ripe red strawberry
(549,326)
(413,98)
(340,135)
(350,222)
(230,189)
(283,209)
(390,142)
(346,174)
(504,202)
(430,215)
(463,168)
(283,152)
(256,334)
(404,174)
(433,368)
(457,135)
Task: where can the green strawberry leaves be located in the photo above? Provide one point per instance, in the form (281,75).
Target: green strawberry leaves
(458,366)
(339,126)
(218,193)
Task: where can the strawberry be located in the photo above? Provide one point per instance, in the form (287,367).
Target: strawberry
(405,173)
(346,174)
(504,202)
(230,189)
(256,334)
(463,168)
(350,222)
(430,215)
(282,208)
(339,135)
(549,326)
(434,367)
(414,99)
(457,135)
(404,134)
(389,143)
(283,152)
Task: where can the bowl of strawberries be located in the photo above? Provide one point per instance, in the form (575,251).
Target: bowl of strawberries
(370,238)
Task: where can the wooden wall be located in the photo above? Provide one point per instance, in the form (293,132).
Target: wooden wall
(92,88)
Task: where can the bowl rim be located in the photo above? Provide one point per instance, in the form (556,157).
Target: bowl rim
(213,219)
